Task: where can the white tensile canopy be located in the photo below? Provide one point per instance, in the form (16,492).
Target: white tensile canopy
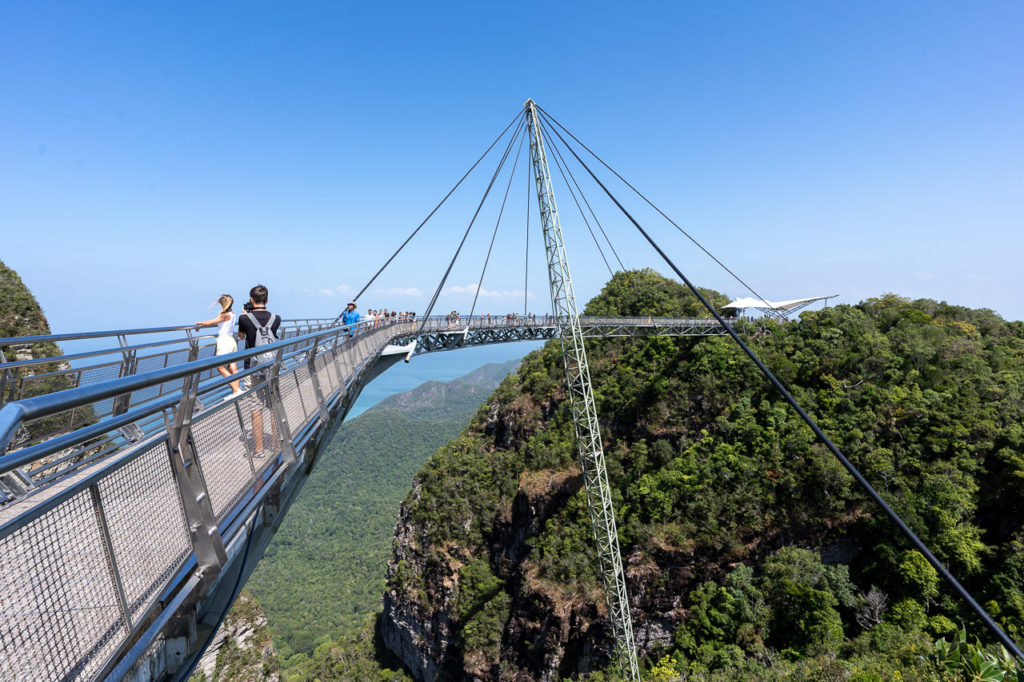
(783,307)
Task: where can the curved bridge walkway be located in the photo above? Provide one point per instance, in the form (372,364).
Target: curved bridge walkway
(136,495)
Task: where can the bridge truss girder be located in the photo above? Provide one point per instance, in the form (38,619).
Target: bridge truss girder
(432,341)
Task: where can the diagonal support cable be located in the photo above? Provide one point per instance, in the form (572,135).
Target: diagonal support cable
(483,271)
(455,257)
(431,214)
(563,164)
(593,236)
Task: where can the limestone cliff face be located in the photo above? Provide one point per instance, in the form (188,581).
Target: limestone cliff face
(241,650)
(466,604)
(420,632)
(547,631)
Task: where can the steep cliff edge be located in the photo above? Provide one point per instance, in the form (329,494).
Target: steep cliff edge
(748,550)
(242,648)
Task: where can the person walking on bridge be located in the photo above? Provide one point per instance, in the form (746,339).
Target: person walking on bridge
(350,316)
(226,342)
(259,327)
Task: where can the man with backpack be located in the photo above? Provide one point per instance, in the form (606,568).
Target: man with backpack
(259,328)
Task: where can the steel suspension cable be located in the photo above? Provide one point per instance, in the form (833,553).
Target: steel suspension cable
(552,143)
(700,246)
(579,189)
(444,278)
(580,208)
(483,271)
(847,464)
(431,214)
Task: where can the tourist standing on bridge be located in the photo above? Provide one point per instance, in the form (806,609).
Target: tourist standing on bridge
(259,327)
(226,342)
(350,316)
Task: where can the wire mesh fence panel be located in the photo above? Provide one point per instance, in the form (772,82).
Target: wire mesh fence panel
(292,402)
(340,368)
(310,405)
(223,457)
(344,359)
(173,358)
(59,613)
(325,374)
(179,357)
(41,379)
(148,364)
(59,423)
(147,525)
(102,372)
(63,461)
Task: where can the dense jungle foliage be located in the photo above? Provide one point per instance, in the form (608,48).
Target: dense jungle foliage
(742,537)
(323,573)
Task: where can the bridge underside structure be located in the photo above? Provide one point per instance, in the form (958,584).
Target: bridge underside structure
(132,509)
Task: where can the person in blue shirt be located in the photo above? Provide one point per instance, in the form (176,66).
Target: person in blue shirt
(350,316)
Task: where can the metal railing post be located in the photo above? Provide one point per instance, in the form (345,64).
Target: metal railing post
(202,523)
(129,365)
(193,346)
(108,545)
(5,380)
(284,431)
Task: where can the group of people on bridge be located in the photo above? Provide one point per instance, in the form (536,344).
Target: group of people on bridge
(257,326)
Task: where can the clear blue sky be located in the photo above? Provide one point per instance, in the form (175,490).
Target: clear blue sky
(153,156)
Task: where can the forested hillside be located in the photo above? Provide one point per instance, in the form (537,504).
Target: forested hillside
(750,553)
(21,315)
(323,573)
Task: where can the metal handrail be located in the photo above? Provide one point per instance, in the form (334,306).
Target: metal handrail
(12,415)
(55,338)
(75,336)
(17,364)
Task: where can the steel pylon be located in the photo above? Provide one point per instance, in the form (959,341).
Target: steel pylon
(584,412)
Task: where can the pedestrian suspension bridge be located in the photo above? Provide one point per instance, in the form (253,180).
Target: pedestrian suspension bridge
(137,494)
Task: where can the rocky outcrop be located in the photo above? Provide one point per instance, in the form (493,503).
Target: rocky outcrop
(418,632)
(550,631)
(242,649)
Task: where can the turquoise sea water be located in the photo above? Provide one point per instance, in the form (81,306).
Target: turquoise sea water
(443,366)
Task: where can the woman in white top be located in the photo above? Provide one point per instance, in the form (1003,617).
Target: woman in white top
(226,341)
